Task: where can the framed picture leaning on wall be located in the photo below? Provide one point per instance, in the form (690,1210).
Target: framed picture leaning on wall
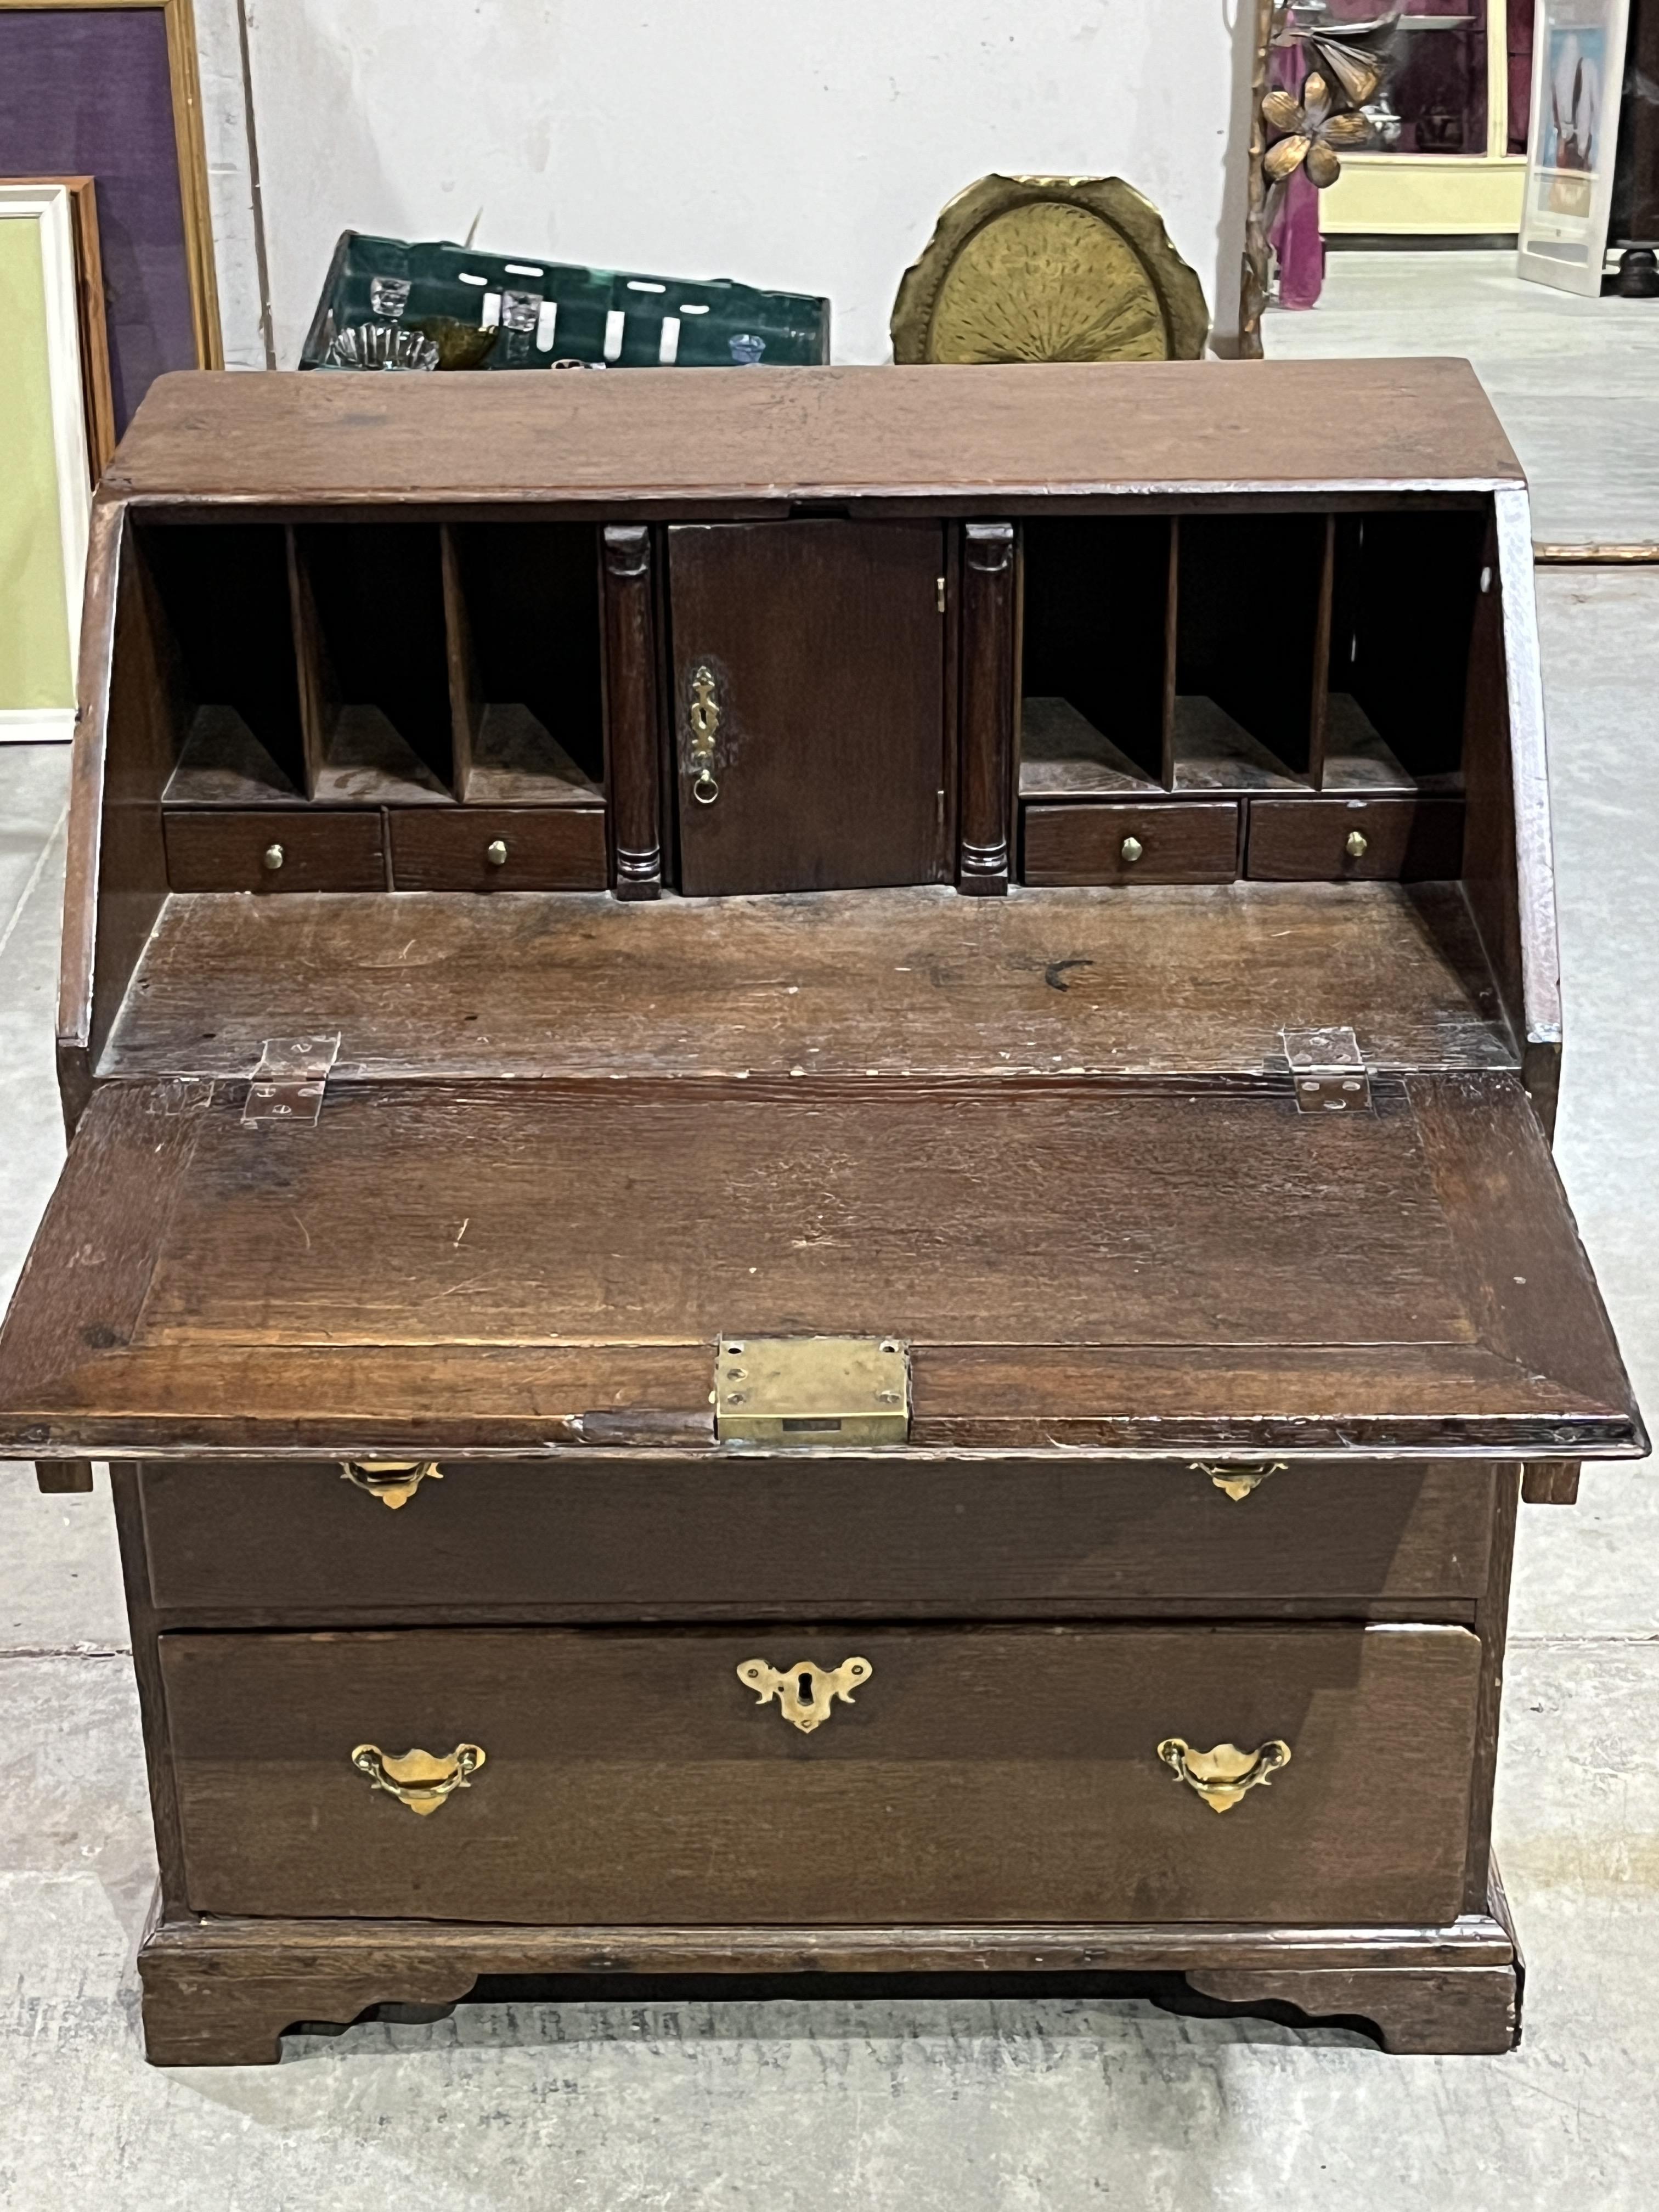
(109,89)
(43,463)
(97,395)
(1578,69)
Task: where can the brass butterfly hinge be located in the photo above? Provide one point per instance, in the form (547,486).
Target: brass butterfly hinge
(805,1692)
(289,1082)
(1329,1073)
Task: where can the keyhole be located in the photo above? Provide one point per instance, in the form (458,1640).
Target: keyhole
(804,1688)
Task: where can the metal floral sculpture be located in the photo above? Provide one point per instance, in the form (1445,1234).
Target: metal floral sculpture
(1313,128)
(1355,56)
(1348,62)
(1347,65)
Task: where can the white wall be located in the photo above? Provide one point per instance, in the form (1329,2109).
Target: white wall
(219,58)
(805,148)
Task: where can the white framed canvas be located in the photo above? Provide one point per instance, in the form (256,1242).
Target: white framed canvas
(1577,71)
(43,464)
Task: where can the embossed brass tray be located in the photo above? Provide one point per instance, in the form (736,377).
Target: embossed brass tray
(1049,269)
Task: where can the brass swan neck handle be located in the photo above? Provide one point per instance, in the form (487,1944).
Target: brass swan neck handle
(416,1778)
(393,1481)
(1222,1776)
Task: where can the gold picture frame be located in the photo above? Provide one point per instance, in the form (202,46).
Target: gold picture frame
(184,74)
(1032,268)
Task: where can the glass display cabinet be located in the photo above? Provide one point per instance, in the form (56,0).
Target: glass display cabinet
(1449,150)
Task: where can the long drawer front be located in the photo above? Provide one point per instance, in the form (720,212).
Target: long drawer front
(307,1546)
(607,1777)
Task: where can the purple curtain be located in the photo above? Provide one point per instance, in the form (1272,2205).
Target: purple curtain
(85,91)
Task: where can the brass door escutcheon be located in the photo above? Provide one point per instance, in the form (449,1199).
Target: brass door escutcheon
(704,716)
(1239,1478)
(417,1779)
(393,1481)
(805,1692)
(1222,1776)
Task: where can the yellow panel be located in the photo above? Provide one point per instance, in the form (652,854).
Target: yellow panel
(1428,195)
(34,642)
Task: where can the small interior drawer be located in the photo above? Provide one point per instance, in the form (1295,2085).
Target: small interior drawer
(487,848)
(293,850)
(1180,841)
(302,1545)
(992,1775)
(1336,839)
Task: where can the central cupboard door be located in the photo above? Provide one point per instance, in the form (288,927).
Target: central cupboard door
(809,704)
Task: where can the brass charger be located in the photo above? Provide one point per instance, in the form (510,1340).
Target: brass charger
(1049,269)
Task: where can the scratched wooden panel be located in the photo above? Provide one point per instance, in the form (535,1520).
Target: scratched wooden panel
(509,1214)
(981,1775)
(1187,979)
(772,436)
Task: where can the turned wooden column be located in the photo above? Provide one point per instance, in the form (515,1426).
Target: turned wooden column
(632,761)
(983,859)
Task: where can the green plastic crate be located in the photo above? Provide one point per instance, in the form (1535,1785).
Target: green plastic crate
(547,311)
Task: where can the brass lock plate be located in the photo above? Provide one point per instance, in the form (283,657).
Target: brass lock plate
(807,1390)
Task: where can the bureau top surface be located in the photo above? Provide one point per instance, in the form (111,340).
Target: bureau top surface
(760,437)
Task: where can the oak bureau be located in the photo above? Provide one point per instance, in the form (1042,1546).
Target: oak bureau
(809,1208)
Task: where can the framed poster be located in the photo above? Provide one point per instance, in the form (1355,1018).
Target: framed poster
(1578,69)
(43,463)
(98,400)
(108,89)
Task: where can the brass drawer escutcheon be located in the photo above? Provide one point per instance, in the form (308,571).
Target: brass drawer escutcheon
(417,1779)
(1241,1478)
(1221,1777)
(805,1692)
(393,1481)
(704,714)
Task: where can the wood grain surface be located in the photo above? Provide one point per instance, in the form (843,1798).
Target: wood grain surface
(268,1544)
(1196,981)
(323,850)
(982,1775)
(979,435)
(825,642)
(546,849)
(1192,843)
(989,627)
(221,1992)
(1412,840)
(497,1263)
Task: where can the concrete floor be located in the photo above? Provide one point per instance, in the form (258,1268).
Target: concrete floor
(965,2105)
(1572,379)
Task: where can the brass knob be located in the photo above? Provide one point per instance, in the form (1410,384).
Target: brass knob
(495,852)
(417,1779)
(272,858)
(805,1692)
(1132,848)
(1358,844)
(1222,1776)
